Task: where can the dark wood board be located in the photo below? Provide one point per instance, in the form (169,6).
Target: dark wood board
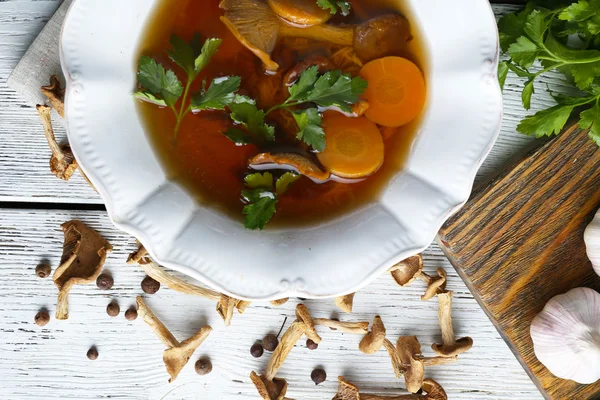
(519,241)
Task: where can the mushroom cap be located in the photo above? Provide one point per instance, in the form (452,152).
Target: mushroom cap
(346,390)
(373,341)
(405,272)
(275,389)
(460,346)
(255,25)
(175,358)
(434,390)
(300,12)
(387,35)
(436,285)
(345,303)
(409,350)
(290,161)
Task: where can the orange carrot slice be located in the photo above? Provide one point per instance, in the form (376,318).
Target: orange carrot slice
(396,92)
(354,146)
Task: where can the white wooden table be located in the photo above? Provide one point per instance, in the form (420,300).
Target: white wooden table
(51,363)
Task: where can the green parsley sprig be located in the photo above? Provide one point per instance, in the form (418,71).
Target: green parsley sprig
(262,197)
(335,6)
(162,87)
(567,39)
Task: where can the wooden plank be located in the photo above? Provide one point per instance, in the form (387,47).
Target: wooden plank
(519,242)
(50,362)
(24,154)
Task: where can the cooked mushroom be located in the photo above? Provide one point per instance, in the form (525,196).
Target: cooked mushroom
(55,94)
(257,27)
(269,389)
(323,63)
(300,12)
(409,350)
(373,341)
(289,161)
(177,354)
(436,285)
(62,163)
(349,391)
(347,60)
(451,346)
(345,303)
(84,254)
(303,315)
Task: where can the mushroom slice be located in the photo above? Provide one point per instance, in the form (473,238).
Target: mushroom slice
(303,315)
(345,303)
(290,161)
(407,271)
(300,12)
(387,35)
(436,285)
(451,346)
(409,350)
(255,26)
(55,94)
(84,254)
(286,344)
(274,389)
(373,341)
(62,163)
(177,355)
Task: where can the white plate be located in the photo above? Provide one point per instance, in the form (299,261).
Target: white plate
(98,50)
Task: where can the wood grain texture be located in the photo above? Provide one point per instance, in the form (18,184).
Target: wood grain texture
(519,242)
(50,363)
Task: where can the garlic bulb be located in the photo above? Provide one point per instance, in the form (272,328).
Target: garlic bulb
(566,335)
(592,242)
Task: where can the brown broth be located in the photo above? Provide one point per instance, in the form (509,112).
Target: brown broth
(212,167)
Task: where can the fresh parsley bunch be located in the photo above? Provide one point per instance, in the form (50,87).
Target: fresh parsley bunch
(563,36)
(162,87)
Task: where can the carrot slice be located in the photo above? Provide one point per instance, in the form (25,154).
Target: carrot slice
(301,12)
(396,92)
(354,146)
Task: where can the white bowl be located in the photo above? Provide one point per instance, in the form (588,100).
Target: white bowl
(98,49)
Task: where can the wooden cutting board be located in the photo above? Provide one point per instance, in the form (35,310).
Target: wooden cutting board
(519,241)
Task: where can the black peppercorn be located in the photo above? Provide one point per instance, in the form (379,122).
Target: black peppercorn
(92,353)
(150,286)
(113,309)
(318,376)
(105,282)
(131,314)
(270,342)
(256,350)
(42,318)
(43,270)
(203,366)
(311,345)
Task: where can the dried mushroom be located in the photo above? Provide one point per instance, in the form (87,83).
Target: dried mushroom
(345,303)
(355,328)
(269,389)
(286,344)
(303,315)
(349,391)
(436,285)
(280,302)
(225,307)
(84,254)
(55,94)
(409,350)
(407,271)
(451,346)
(397,364)
(177,354)
(62,162)
(373,341)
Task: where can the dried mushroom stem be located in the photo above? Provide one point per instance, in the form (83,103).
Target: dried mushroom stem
(280,302)
(55,94)
(355,328)
(225,307)
(62,162)
(303,315)
(399,368)
(286,344)
(349,391)
(436,285)
(177,354)
(274,389)
(409,350)
(373,341)
(84,254)
(433,361)
(345,303)
(450,346)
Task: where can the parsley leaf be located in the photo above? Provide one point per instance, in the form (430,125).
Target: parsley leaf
(209,49)
(220,93)
(255,181)
(158,81)
(285,181)
(259,212)
(586,14)
(245,113)
(524,52)
(512,26)
(335,5)
(590,119)
(502,73)
(238,136)
(311,131)
(527,93)
(150,98)
(184,54)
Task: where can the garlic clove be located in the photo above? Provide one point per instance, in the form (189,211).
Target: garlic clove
(591,237)
(566,335)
